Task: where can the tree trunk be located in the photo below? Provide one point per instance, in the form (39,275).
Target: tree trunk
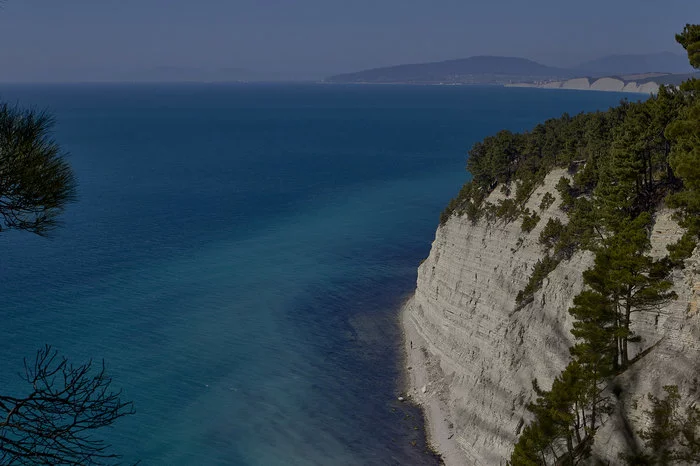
(618,323)
(570,446)
(578,423)
(628,313)
(616,351)
(594,400)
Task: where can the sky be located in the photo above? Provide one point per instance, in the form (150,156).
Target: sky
(115,40)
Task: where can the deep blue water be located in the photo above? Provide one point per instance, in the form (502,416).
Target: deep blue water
(238,255)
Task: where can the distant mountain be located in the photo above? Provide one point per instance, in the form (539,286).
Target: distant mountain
(612,65)
(474,70)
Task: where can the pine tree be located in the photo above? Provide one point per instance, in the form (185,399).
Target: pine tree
(685,155)
(685,161)
(690,40)
(36,182)
(635,282)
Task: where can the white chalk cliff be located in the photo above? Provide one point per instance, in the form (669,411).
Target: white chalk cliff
(601,84)
(479,353)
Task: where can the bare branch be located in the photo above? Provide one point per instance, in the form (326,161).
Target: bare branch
(54,423)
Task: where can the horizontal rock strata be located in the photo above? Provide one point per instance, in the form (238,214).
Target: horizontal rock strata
(485,352)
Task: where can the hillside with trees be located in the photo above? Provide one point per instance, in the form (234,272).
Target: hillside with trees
(473,70)
(625,164)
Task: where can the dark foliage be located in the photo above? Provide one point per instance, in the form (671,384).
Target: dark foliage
(547,201)
(690,40)
(35,180)
(539,272)
(551,233)
(530,221)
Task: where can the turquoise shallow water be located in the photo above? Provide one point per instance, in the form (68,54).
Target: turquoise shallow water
(238,255)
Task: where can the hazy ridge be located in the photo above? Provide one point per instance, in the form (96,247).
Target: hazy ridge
(660,68)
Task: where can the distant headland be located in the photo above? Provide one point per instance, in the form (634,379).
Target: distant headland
(621,73)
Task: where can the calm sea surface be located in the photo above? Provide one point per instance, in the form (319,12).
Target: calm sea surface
(238,255)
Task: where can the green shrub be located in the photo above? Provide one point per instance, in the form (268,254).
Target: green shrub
(524,190)
(469,200)
(506,209)
(448,211)
(463,196)
(565,191)
(682,249)
(473,211)
(547,200)
(541,270)
(587,178)
(579,232)
(551,233)
(530,220)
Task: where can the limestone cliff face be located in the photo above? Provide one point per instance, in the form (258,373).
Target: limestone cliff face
(601,84)
(674,333)
(483,353)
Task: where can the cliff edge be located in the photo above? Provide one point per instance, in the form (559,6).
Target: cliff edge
(472,354)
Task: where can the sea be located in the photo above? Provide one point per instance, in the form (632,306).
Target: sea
(238,255)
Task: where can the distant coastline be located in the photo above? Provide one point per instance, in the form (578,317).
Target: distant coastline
(638,74)
(578,84)
(606,84)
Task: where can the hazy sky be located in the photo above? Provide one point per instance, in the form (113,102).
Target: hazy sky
(56,40)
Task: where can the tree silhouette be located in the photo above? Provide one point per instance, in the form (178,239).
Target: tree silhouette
(53,423)
(36,182)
